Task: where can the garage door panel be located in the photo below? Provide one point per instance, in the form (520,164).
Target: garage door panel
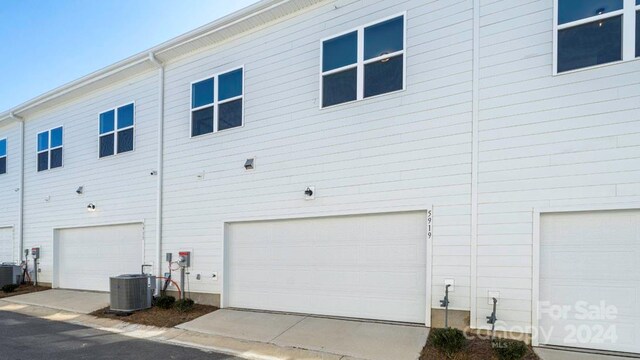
(331,266)
(590,264)
(87,257)
(6,244)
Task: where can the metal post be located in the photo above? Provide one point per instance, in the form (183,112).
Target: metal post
(445,303)
(492,319)
(182,282)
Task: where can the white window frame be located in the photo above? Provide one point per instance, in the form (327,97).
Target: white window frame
(6,151)
(49,148)
(628,13)
(361,62)
(215,102)
(115,130)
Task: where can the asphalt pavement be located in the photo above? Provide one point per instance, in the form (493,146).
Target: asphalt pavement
(28,338)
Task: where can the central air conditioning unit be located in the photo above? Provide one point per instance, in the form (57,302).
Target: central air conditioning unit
(131,292)
(10,274)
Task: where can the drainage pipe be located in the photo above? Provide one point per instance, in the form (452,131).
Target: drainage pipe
(20,120)
(160,170)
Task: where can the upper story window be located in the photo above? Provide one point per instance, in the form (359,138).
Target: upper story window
(50,149)
(595,32)
(117,130)
(3,156)
(217,103)
(365,62)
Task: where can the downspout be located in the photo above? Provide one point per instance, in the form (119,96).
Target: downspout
(21,186)
(160,172)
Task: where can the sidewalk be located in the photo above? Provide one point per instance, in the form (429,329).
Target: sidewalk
(240,348)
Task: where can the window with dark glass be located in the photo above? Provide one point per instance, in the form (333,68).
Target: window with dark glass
(365,62)
(217,103)
(3,156)
(592,32)
(49,149)
(117,130)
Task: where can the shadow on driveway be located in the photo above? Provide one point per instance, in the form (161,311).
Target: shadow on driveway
(25,337)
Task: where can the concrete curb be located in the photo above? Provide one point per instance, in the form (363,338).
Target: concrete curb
(240,348)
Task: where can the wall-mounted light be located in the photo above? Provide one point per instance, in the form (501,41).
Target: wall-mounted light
(310,193)
(249,164)
(91,207)
(80,190)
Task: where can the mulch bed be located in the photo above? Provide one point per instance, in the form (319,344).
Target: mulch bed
(24,289)
(477,349)
(156,316)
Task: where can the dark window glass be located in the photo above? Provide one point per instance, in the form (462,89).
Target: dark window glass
(43,141)
(594,43)
(230,114)
(384,38)
(125,116)
(106,145)
(340,51)
(107,122)
(43,161)
(3,165)
(125,140)
(637,2)
(56,158)
(202,93)
(383,76)
(230,85)
(56,137)
(3,147)
(339,87)
(202,121)
(572,10)
(638,32)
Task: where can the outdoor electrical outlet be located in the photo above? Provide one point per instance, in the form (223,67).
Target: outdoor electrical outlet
(491,295)
(214,276)
(451,282)
(197,276)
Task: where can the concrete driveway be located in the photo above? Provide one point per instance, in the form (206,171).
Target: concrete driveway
(83,302)
(358,339)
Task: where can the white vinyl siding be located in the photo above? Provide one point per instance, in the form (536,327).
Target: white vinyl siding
(404,149)
(123,191)
(545,141)
(10,190)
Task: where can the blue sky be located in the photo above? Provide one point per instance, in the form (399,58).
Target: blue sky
(47,43)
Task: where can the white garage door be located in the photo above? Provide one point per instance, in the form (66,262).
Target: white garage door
(370,266)
(6,244)
(87,257)
(590,280)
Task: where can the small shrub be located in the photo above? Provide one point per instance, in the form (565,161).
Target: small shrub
(509,349)
(449,340)
(184,305)
(165,302)
(9,288)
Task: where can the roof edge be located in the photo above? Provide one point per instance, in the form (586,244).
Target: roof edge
(212,27)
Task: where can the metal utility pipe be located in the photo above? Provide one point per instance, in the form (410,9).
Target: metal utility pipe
(160,165)
(492,319)
(445,303)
